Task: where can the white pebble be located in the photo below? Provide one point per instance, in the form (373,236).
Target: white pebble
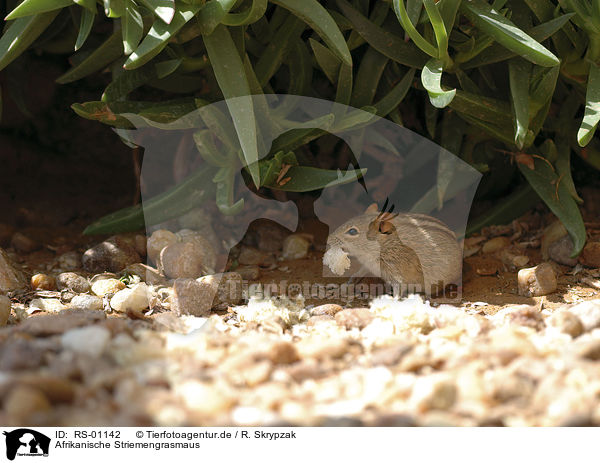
(134,299)
(89,340)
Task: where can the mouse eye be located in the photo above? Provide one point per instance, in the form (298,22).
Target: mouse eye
(352,232)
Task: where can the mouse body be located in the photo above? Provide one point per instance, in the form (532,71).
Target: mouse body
(415,252)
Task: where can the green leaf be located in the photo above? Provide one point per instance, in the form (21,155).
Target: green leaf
(252,14)
(519,73)
(395,96)
(317,17)
(384,42)
(20,34)
(591,116)
(412,32)
(497,52)
(225,180)
(344,85)
(272,58)
(90,5)
(326,59)
(168,67)
(563,166)
(85,26)
(101,57)
(159,35)
(431,78)
(114,8)
(506,33)
(132,27)
(368,76)
(303,178)
(164,9)
(127,81)
(31,7)
(231,76)
(544,181)
(439,28)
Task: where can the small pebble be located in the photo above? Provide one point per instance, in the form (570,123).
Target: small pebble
(86,302)
(72,281)
(591,254)
(183,260)
(22,403)
(251,256)
(4,310)
(134,299)
(589,314)
(23,243)
(537,281)
(296,247)
(112,255)
(560,251)
(159,240)
(48,305)
(69,260)
(11,277)
(43,281)
(354,318)
(248,272)
(567,322)
(108,286)
(326,309)
(495,244)
(89,340)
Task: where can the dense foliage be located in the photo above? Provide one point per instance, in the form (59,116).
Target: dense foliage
(486,80)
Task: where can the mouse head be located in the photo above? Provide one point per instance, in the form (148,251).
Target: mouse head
(381,227)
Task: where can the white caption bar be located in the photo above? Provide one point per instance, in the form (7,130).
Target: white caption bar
(90,445)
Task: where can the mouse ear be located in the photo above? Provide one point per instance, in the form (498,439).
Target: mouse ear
(386,227)
(372,209)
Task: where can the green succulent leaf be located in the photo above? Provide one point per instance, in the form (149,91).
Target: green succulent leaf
(132,27)
(519,73)
(591,116)
(231,76)
(431,78)
(555,193)
(486,18)
(85,26)
(317,17)
(32,7)
(159,35)
(20,34)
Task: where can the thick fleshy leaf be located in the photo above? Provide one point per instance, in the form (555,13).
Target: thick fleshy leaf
(20,34)
(253,13)
(326,59)
(303,178)
(132,27)
(159,35)
(488,20)
(390,45)
(31,7)
(555,194)
(519,73)
(395,96)
(128,81)
(412,31)
(231,76)
(368,76)
(591,117)
(431,78)
(101,57)
(85,26)
(164,9)
(317,17)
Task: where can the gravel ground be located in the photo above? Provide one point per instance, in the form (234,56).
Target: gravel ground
(134,345)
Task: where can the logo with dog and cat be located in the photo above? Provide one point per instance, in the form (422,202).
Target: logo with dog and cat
(24,442)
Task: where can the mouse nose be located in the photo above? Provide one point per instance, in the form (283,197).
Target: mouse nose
(334,242)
